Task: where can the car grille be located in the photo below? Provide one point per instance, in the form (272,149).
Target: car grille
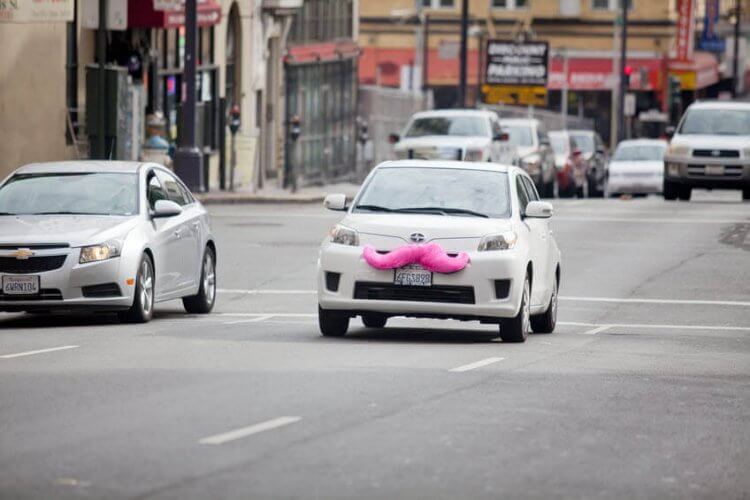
(730,172)
(436,293)
(38,246)
(435,154)
(44,294)
(716,153)
(31,265)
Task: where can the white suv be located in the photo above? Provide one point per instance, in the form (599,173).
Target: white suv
(709,149)
(454,134)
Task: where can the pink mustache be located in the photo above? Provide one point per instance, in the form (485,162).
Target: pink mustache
(431,256)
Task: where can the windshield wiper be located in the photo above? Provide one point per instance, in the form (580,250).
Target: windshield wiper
(374,208)
(445,211)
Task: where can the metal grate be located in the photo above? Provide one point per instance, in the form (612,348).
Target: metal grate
(436,293)
(31,265)
(730,171)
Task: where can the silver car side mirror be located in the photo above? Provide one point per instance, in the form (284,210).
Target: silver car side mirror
(335,202)
(539,210)
(166,208)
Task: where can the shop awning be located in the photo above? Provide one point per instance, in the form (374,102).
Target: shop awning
(596,73)
(141,14)
(699,73)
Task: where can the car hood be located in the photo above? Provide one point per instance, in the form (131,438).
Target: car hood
(636,167)
(389,231)
(74,230)
(442,141)
(712,141)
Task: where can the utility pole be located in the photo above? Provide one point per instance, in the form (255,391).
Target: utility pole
(101,102)
(623,62)
(462,87)
(564,95)
(188,162)
(736,61)
(425,19)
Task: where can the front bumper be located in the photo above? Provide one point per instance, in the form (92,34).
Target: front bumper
(636,184)
(480,274)
(694,172)
(62,288)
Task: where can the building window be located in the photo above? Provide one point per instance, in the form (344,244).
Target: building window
(438,4)
(322,20)
(609,4)
(510,4)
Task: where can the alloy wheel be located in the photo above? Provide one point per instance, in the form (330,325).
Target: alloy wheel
(146,280)
(209,278)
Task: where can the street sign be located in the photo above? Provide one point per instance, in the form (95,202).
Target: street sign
(516,73)
(629,105)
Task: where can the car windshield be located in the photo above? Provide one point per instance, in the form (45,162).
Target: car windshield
(560,143)
(439,191)
(716,122)
(464,126)
(639,153)
(70,193)
(584,142)
(520,135)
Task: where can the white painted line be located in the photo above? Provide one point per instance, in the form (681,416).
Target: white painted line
(253,320)
(478,364)
(594,331)
(258,291)
(244,432)
(255,315)
(649,220)
(277,215)
(660,327)
(658,301)
(40,351)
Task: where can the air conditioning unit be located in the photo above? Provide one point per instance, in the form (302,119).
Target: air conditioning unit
(282,4)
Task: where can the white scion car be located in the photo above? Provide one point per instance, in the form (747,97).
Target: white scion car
(637,167)
(99,235)
(454,134)
(490,212)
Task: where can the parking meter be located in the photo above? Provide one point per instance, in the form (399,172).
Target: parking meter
(234,119)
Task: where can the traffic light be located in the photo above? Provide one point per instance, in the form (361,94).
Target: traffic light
(626,75)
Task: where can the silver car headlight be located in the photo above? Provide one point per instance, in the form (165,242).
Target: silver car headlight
(344,236)
(678,150)
(473,155)
(501,241)
(95,253)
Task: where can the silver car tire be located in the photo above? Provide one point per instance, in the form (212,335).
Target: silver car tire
(203,302)
(142,309)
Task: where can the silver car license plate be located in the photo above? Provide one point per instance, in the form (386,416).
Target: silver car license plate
(413,275)
(20,285)
(714,169)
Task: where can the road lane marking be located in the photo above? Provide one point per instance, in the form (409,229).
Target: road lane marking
(473,366)
(648,220)
(594,331)
(253,315)
(616,300)
(39,351)
(252,320)
(660,326)
(244,432)
(658,301)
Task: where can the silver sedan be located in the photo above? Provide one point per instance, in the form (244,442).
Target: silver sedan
(112,236)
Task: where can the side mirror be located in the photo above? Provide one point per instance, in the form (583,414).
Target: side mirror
(166,208)
(335,202)
(502,136)
(393,138)
(539,210)
(670,130)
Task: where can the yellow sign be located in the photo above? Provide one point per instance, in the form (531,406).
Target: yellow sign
(514,94)
(687,79)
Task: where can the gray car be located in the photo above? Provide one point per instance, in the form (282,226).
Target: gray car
(111,236)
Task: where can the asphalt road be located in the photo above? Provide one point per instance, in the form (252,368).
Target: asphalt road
(642,392)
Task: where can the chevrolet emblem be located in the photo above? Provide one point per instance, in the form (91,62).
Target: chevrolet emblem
(22,254)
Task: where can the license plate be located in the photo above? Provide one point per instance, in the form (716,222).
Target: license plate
(714,169)
(20,285)
(413,275)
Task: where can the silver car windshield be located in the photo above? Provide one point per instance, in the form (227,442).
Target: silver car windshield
(437,191)
(716,122)
(519,135)
(639,153)
(464,126)
(70,193)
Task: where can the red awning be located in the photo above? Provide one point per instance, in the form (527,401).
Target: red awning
(381,66)
(594,73)
(704,66)
(141,14)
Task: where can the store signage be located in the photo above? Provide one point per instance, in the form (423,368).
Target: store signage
(685,30)
(36,11)
(516,73)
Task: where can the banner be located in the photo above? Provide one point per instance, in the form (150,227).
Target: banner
(709,40)
(685,30)
(36,11)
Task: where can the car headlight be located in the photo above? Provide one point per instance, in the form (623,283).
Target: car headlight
(473,155)
(679,150)
(501,241)
(95,253)
(344,236)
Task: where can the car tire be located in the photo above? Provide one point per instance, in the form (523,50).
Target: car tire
(203,302)
(142,309)
(671,191)
(746,194)
(374,320)
(685,192)
(516,329)
(545,322)
(332,323)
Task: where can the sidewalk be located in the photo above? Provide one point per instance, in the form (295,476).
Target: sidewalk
(273,194)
